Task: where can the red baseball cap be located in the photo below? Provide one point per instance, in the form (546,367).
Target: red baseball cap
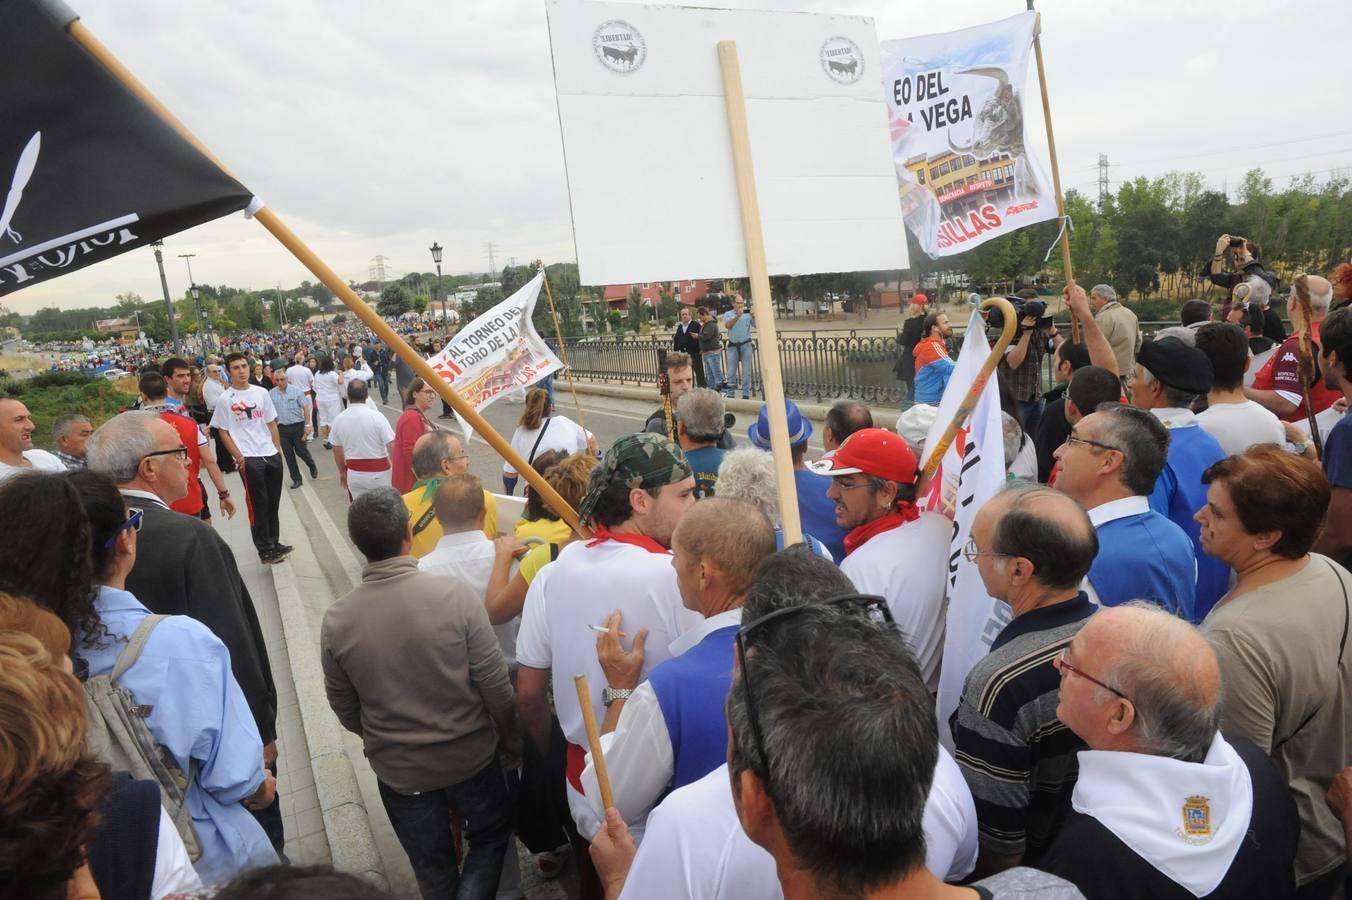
(919,300)
(870,451)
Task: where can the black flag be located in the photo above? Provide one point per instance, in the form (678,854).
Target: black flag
(87,171)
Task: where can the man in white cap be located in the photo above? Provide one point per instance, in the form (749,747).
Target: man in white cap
(891,547)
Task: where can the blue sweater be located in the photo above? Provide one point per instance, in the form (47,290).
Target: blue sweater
(1179,493)
(690,691)
(1145,557)
(817,512)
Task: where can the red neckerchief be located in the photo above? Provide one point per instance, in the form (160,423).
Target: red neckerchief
(601,534)
(905,512)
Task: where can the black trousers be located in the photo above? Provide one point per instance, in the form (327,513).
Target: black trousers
(224,460)
(263,494)
(293,445)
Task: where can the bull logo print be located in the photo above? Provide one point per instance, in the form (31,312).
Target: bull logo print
(28,161)
(842,60)
(999,129)
(619,46)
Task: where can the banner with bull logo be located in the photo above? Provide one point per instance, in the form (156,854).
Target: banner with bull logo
(498,352)
(956,105)
(86,170)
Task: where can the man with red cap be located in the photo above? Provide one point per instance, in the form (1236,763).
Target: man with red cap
(891,547)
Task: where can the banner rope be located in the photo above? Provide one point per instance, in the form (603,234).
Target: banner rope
(1066,225)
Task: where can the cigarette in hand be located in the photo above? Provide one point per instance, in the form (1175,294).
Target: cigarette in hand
(601,629)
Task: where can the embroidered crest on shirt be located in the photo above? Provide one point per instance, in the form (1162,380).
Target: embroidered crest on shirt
(1196,820)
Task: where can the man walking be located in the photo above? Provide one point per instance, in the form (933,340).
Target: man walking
(439,747)
(247,423)
(362,442)
(293,421)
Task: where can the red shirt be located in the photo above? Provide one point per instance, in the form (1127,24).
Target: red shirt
(1282,373)
(192,439)
(927,351)
(412,425)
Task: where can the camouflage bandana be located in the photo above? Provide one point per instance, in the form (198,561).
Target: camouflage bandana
(643,460)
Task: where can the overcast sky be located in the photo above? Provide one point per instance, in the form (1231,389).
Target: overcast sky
(377,128)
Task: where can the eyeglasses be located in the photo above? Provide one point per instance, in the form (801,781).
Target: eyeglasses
(872,606)
(849,487)
(133,522)
(1061,663)
(971,553)
(1072,439)
(180,451)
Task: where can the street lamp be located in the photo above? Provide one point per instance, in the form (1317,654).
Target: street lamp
(436,258)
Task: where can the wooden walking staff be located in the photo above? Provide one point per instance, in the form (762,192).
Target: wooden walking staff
(1056,170)
(761,302)
(594,741)
(269,220)
(936,453)
(563,350)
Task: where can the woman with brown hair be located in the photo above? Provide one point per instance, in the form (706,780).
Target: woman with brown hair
(540,430)
(1281,636)
(413,424)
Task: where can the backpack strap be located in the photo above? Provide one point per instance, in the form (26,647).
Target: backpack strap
(132,652)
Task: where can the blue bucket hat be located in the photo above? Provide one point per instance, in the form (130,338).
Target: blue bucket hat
(800,429)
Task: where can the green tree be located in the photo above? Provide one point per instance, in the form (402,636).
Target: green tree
(323,297)
(395,300)
(637,314)
(613,320)
(297,311)
(420,303)
(666,306)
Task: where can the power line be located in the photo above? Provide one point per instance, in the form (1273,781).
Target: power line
(1317,137)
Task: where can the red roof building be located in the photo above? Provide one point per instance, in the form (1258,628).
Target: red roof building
(689,292)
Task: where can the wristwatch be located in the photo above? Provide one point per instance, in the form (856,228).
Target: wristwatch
(609,694)
(224,495)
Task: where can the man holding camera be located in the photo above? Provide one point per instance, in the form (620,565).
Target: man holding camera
(1023,358)
(1243,255)
(676,381)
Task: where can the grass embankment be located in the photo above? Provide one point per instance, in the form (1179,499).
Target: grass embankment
(51,395)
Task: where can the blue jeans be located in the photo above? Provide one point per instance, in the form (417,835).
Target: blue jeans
(740,356)
(422,823)
(713,368)
(383,385)
(1030,413)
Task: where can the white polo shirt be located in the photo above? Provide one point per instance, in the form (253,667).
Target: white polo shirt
(362,431)
(40,460)
(1238,426)
(696,849)
(301,377)
(246,414)
(909,566)
(581,588)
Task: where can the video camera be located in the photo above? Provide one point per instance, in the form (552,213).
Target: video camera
(1023,309)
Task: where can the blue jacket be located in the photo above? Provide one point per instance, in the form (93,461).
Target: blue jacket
(1145,557)
(932,379)
(690,691)
(1179,493)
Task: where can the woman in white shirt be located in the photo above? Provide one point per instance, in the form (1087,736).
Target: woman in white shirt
(540,430)
(328,397)
(358,370)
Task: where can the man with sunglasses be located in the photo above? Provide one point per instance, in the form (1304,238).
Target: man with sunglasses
(1165,806)
(1032,548)
(1109,463)
(891,547)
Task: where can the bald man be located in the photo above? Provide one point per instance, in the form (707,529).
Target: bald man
(1277,385)
(1165,806)
(437,456)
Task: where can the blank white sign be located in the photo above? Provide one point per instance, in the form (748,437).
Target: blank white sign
(649,157)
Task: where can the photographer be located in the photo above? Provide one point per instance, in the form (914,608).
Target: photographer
(675,379)
(1243,255)
(1022,365)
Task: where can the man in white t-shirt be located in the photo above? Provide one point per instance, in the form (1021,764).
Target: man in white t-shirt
(891,547)
(1235,421)
(246,421)
(621,579)
(17,453)
(362,440)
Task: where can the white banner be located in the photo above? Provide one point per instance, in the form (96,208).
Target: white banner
(956,103)
(498,351)
(972,471)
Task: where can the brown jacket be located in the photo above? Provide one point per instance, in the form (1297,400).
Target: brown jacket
(412,665)
(1119,326)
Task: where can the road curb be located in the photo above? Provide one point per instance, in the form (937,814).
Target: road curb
(346,824)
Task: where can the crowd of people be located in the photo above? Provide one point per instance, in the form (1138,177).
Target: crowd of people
(1162,711)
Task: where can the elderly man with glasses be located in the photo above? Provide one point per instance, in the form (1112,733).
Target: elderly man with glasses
(1165,805)
(1032,548)
(1109,463)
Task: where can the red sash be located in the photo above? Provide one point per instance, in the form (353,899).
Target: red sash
(905,512)
(369,465)
(601,534)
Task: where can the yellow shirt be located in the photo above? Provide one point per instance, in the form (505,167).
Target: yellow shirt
(552,531)
(419,503)
(536,558)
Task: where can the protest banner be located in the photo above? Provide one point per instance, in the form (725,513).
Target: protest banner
(968,468)
(67,47)
(818,201)
(956,104)
(497,352)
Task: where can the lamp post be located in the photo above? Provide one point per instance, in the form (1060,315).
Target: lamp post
(168,304)
(196,300)
(436,258)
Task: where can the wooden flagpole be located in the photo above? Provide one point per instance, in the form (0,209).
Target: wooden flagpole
(563,350)
(761,302)
(594,741)
(1056,169)
(935,454)
(269,220)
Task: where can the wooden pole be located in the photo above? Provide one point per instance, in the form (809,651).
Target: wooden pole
(761,302)
(563,351)
(269,220)
(594,741)
(1056,170)
(936,453)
